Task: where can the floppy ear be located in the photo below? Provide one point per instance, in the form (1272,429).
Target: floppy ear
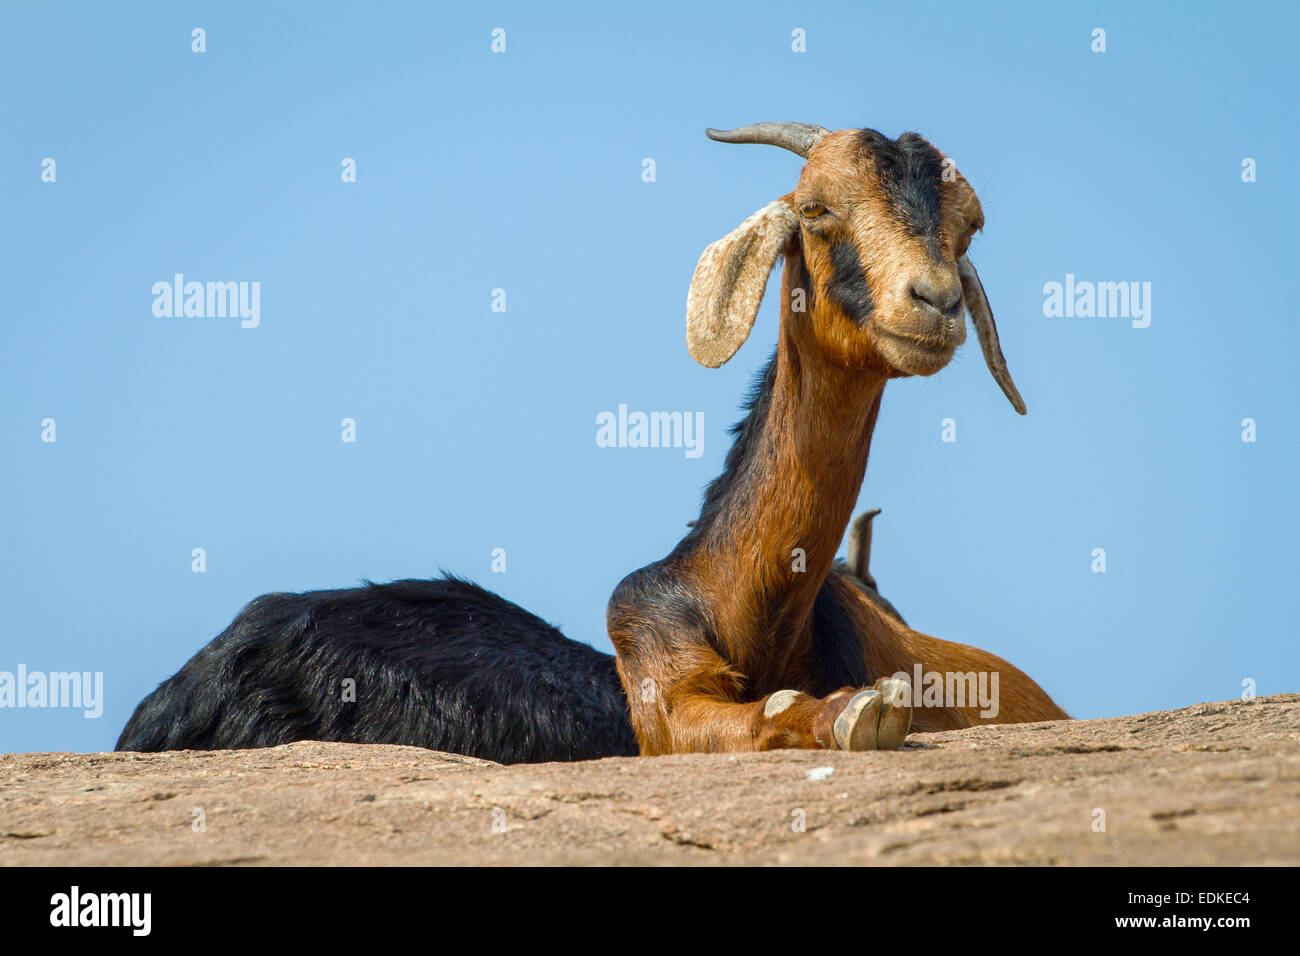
(981,316)
(729,281)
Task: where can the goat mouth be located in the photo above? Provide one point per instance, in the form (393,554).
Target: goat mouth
(915,355)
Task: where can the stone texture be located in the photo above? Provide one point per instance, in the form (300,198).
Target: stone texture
(1210,784)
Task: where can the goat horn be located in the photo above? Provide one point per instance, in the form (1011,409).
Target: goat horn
(796,137)
(981,316)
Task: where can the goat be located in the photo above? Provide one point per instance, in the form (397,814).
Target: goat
(442,664)
(746,637)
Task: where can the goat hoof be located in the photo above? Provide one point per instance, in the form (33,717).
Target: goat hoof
(855,727)
(876,719)
(895,713)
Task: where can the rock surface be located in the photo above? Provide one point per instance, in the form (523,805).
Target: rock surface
(1210,784)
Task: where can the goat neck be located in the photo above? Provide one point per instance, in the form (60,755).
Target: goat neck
(777,527)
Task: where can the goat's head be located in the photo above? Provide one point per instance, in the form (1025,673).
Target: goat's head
(880,229)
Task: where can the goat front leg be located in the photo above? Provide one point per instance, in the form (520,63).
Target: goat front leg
(694,719)
(874,718)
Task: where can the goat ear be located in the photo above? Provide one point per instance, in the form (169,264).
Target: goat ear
(729,282)
(981,316)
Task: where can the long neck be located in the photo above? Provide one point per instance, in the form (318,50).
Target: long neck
(773,522)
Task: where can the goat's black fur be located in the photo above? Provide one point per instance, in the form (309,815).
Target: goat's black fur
(442,664)
(848,287)
(910,171)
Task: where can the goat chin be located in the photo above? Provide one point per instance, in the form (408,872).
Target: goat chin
(911,357)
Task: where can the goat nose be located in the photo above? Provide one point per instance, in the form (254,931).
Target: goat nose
(941,297)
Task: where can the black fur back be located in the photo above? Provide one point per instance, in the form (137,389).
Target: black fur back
(442,664)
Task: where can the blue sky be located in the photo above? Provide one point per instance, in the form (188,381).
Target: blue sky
(523,171)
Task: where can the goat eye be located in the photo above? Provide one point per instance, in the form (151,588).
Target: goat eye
(812,209)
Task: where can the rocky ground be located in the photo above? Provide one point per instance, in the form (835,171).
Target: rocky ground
(1210,784)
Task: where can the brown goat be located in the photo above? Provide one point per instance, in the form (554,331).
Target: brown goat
(746,637)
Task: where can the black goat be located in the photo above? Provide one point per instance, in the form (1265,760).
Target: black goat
(442,664)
